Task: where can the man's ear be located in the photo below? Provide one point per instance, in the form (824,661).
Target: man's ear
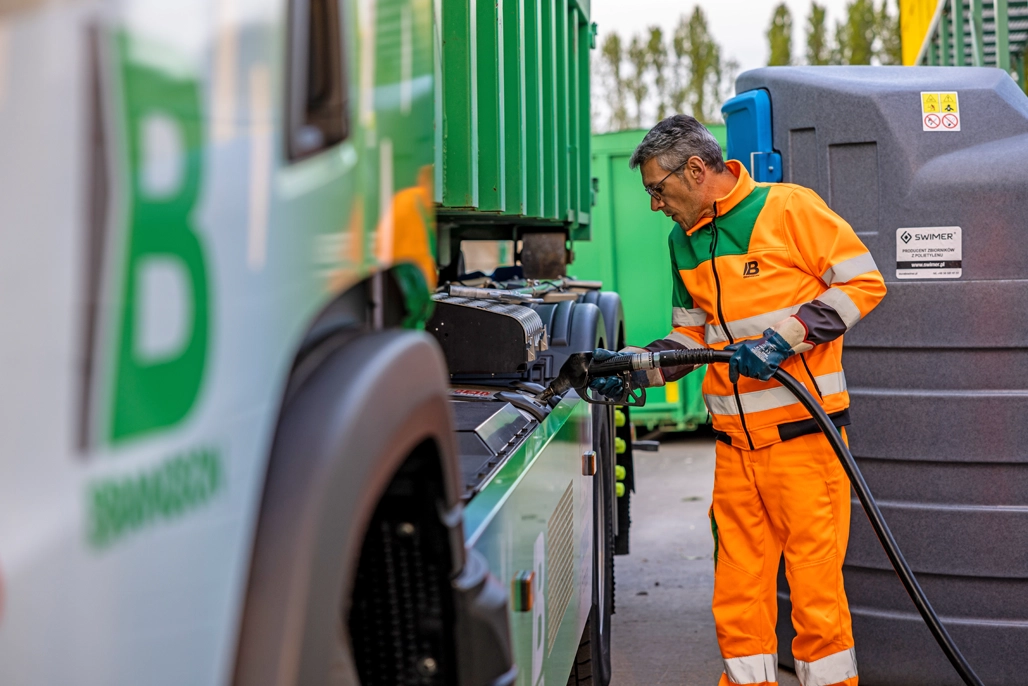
(696,169)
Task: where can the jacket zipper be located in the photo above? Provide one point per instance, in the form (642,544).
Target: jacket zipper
(721,317)
(803,358)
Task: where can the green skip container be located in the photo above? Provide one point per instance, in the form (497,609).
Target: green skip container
(629,253)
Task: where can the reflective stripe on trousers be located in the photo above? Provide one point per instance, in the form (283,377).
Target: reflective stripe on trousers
(752,669)
(831,669)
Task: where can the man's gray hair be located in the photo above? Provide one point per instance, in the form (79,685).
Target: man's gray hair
(674,140)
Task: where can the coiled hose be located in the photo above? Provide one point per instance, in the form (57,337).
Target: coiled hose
(674,358)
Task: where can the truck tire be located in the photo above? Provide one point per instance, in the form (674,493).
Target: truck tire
(583,669)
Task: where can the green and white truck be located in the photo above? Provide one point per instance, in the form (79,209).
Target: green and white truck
(257,425)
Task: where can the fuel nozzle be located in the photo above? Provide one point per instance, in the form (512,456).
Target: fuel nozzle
(574,373)
(580,369)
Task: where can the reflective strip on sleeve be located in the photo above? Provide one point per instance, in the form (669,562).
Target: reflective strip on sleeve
(749,326)
(841,303)
(832,669)
(770,398)
(682,339)
(849,269)
(681,316)
(752,669)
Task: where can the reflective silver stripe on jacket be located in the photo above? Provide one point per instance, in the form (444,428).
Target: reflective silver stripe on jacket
(831,669)
(681,316)
(771,398)
(752,669)
(849,269)
(841,303)
(683,340)
(749,326)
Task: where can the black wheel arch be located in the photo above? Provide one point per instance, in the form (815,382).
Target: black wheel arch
(343,433)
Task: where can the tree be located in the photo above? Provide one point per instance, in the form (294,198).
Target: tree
(658,57)
(615,88)
(818,50)
(779,37)
(701,81)
(638,57)
(856,38)
(887,27)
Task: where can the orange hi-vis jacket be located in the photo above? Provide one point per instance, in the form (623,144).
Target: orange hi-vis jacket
(773,256)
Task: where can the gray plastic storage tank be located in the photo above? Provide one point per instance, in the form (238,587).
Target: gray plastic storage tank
(938,373)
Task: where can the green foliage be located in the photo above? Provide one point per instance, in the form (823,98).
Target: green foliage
(779,37)
(686,73)
(658,56)
(889,49)
(662,76)
(856,38)
(615,88)
(819,50)
(702,85)
(638,57)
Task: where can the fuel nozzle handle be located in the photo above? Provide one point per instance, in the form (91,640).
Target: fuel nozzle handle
(631,362)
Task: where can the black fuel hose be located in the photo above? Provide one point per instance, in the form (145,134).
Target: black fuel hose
(674,358)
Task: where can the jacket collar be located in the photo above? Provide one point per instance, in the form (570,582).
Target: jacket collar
(743,187)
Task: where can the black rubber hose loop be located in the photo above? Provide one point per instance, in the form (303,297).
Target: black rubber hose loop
(675,358)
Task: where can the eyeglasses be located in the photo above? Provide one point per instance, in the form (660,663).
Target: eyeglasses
(656,189)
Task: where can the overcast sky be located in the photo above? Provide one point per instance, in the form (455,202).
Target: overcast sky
(738,25)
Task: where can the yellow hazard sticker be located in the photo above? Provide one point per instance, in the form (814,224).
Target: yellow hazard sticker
(948,102)
(940,111)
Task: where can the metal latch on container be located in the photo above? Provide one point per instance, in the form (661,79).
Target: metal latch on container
(769,165)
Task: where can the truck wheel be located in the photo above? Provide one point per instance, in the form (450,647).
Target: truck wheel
(583,670)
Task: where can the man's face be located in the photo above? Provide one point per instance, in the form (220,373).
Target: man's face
(682,199)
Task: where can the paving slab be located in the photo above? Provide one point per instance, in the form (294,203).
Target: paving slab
(663,629)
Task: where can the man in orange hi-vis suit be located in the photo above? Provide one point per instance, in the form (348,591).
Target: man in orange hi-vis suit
(769,271)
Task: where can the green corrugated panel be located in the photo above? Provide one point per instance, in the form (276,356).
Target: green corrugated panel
(460,105)
(549,122)
(514,105)
(491,148)
(629,253)
(586,42)
(574,122)
(514,109)
(563,66)
(980,33)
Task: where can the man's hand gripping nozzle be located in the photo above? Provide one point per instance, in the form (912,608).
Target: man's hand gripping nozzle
(580,369)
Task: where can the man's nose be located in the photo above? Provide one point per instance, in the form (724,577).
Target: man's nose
(655,204)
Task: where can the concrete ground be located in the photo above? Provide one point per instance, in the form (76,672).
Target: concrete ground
(663,630)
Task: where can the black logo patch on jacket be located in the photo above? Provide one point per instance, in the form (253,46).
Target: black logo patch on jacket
(751,269)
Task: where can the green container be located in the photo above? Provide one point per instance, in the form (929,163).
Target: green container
(629,253)
(513,98)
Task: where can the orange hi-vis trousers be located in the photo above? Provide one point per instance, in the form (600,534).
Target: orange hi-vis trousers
(791,497)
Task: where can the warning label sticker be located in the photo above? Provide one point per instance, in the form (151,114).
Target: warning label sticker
(471,393)
(932,252)
(940,111)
